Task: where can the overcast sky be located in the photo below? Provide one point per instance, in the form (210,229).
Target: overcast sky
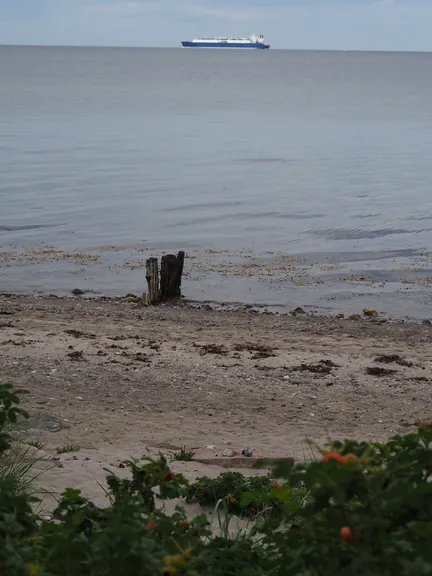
(310,24)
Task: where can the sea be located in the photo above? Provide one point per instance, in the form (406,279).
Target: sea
(289,178)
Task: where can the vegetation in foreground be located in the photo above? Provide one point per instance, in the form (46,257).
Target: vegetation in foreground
(364,508)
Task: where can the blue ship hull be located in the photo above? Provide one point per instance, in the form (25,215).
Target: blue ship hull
(256,45)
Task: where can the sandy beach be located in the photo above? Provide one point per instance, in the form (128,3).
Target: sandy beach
(119,380)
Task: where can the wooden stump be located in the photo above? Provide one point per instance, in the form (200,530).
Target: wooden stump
(171,273)
(170,278)
(152,277)
(179,272)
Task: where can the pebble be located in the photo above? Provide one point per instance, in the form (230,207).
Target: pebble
(354,317)
(371,312)
(286,377)
(298,311)
(228,453)
(77,292)
(247,452)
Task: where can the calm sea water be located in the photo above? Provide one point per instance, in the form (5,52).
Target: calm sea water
(298,152)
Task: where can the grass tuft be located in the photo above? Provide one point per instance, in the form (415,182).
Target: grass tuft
(183,455)
(67,449)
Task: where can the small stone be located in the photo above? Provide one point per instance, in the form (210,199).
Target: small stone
(340,316)
(371,312)
(286,377)
(247,452)
(129,295)
(299,312)
(131,299)
(228,453)
(354,317)
(427,322)
(77,292)
(78,398)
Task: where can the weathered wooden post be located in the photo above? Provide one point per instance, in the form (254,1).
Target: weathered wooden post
(171,275)
(171,272)
(152,277)
(179,273)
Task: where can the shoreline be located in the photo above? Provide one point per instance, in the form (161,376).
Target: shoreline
(397,285)
(213,306)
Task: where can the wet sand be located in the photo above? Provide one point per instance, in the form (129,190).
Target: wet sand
(397,283)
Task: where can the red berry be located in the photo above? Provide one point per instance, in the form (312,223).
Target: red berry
(169,476)
(151,526)
(334,456)
(346,534)
(184,524)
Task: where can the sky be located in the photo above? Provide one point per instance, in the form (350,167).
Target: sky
(293,24)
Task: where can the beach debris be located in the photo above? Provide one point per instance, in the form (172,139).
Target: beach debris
(340,316)
(379,372)
(211,447)
(211,349)
(321,367)
(76,356)
(247,452)
(299,312)
(393,359)
(354,317)
(79,334)
(228,453)
(370,312)
(77,292)
(259,351)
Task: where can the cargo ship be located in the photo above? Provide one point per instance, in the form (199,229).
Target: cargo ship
(225,42)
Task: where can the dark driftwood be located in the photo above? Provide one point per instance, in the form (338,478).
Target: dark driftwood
(171,273)
(170,278)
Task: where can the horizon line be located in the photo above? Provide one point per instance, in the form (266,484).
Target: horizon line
(175,47)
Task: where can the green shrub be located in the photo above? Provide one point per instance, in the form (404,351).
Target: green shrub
(364,509)
(231,488)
